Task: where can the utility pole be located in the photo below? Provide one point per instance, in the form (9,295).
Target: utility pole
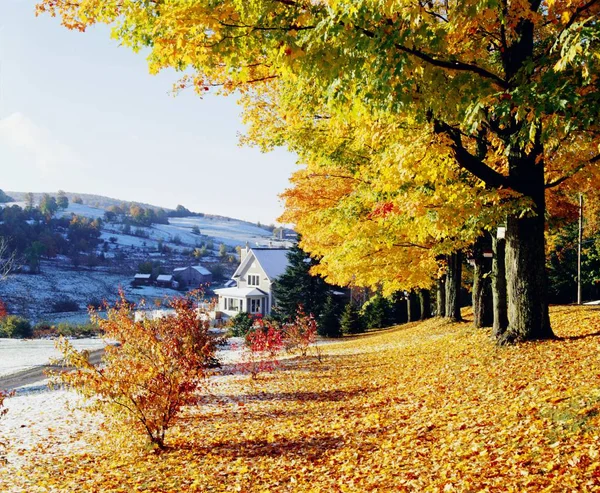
(579,249)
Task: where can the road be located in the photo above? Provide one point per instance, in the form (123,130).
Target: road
(37,373)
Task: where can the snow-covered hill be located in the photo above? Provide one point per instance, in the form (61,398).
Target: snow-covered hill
(125,248)
(180,230)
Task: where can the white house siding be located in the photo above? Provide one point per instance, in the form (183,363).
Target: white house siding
(253,263)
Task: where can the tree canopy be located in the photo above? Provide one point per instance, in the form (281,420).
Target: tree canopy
(476,106)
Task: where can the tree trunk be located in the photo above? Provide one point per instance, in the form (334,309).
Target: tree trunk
(453,278)
(425,304)
(528,317)
(400,309)
(482,286)
(412,306)
(440,304)
(499,287)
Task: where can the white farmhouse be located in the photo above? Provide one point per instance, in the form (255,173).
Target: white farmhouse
(258,268)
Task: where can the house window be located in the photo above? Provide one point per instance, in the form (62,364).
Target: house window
(254,306)
(253,279)
(232,304)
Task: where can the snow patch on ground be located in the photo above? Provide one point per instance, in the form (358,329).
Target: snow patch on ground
(81,210)
(20,354)
(47,417)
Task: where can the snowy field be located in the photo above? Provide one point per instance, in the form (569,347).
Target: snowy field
(82,210)
(231,232)
(19,354)
(33,296)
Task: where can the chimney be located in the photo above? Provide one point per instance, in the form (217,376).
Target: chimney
(244,252)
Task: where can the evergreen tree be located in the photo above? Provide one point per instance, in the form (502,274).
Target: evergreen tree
(375,312)
(350,322)
(297,287)
(329,321)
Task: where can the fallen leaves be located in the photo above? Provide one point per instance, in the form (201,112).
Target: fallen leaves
(429,406)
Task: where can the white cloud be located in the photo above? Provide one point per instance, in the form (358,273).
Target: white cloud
(42,149)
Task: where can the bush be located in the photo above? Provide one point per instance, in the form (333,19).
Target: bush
(15,327)
(241,324)
(329,321)
(95,303)
(47,330)
(156,367)
(301,333)
(64,305)
(350,321)
(374,312)
(262,345)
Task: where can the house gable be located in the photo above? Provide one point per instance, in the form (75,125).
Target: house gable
(252,275)
(266,263)
(257,270)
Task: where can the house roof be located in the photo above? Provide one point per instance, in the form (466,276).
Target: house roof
(273,261)
(240,292)
(164,277)
(203,270)
(142,276)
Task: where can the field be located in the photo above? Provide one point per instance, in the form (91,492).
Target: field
(428,406)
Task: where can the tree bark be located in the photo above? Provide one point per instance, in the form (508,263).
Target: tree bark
(440,293)
(482,286)
(425,304)
(499,287)
(412,306)
(453,282)
(528,317)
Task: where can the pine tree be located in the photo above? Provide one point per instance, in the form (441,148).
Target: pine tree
(350,322)
(297,287)
(329,321)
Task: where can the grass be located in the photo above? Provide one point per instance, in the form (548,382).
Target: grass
(431,406)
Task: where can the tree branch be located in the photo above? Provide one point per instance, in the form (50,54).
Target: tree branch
(573,172)
(447,64)
(467,161)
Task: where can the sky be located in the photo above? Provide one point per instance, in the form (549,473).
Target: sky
(81,114)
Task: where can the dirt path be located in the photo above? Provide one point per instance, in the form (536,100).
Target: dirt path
(37,374)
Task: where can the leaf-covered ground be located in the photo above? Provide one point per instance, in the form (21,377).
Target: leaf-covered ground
(425,407)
